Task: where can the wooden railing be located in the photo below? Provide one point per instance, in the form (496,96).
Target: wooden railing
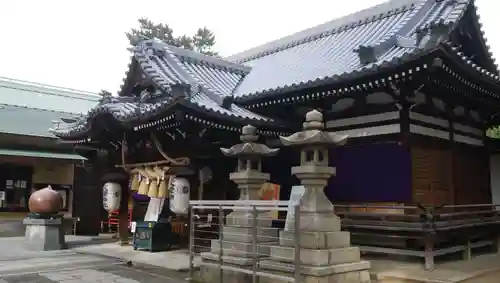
(422,231)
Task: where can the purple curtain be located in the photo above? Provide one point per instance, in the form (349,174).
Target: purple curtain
(370,173)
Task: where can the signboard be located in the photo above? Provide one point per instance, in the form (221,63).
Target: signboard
(295,197)
(2,195)
(270,191)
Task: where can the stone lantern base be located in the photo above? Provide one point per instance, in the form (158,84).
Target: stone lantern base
(325,257)
(44,234)
(237,248)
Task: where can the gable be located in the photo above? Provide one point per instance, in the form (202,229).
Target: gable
(468,34)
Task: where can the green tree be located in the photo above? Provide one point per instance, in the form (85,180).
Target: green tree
(202,41)
(493,132)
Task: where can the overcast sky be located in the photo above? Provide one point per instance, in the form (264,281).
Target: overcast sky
(81,43)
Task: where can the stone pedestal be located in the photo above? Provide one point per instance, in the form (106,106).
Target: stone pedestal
(237,233)
(325,251)
(326,255)
(44,234)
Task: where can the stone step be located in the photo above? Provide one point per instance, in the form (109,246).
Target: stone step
(244,234)
(210,270)
(241,249)
(318,271)
(348,277)
(316,257)
(316,240)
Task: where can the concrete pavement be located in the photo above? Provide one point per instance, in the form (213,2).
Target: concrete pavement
(176,260)
(98,274)
(20,265)
(95,259)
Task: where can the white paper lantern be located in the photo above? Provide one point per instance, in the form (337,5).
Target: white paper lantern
(179,196)
(111,196)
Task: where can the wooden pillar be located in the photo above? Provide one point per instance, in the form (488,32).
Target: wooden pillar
(123,220)
(453,152)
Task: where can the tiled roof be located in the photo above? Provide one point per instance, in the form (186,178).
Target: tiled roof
(331,51)
(28,108)
(210,82)
(41,96)
(20,120)
(355,45)
(167,65)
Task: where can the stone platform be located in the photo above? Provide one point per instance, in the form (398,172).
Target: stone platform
(480,269)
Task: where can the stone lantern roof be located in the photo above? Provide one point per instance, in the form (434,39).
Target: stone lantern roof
(249,145)
(313,133)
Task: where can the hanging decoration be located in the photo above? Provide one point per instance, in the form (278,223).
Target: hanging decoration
(179,195)
(150,178)
(111,193)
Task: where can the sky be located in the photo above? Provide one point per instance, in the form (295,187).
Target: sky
(81,44)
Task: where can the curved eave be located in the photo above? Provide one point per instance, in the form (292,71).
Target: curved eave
(85,131)
(348,80)
(374,69)
(184,109)
(265,122)
(466,66)
(163,113)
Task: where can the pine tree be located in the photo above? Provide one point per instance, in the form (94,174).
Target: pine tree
(202,41)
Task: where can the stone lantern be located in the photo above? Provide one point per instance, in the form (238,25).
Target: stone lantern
(248,176)
(325,251)
(314,171)
(237,232)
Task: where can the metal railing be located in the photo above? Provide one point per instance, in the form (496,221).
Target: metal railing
(251,235)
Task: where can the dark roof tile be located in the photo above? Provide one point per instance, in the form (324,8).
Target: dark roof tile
(330,50)
(384,35)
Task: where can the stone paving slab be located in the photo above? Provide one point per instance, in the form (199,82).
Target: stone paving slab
(177,260)
(15,247)
(448,272)
(114,274)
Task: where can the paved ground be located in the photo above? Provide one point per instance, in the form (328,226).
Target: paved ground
(71,267)
(11,228)
(481,269)
(21,265)
(95,259)
(177,260)
(79,269)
